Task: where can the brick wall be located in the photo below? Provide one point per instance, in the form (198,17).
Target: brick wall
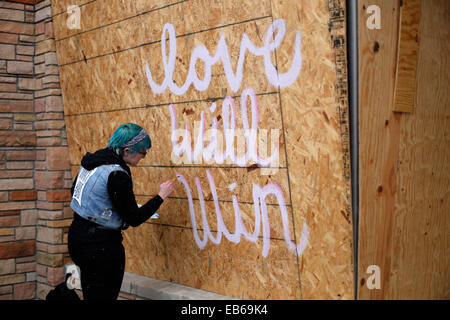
(35,175)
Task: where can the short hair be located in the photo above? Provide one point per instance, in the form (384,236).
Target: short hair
(124,134)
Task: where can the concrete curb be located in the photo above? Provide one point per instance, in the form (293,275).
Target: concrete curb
(155,289)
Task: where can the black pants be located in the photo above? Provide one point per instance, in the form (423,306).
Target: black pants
(100,255)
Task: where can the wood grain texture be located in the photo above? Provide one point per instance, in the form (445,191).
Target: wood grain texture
(408,45)
(404,176)
(104,84)
(314,140)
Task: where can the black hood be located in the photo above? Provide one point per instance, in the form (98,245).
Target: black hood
(103,156)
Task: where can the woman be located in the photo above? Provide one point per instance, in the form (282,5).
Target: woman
(104,204)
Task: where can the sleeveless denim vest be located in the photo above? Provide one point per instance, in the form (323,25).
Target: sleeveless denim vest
(91,198)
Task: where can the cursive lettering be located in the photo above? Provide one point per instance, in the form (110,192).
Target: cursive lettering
(182,151)
(274,36)
(261,217)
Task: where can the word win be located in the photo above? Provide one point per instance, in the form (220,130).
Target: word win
(261,217)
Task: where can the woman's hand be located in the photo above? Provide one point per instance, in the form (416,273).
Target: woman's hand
(165,189)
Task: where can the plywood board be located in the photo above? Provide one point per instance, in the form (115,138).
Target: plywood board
(278,67)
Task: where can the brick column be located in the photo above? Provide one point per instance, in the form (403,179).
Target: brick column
(35,175)
(18,214)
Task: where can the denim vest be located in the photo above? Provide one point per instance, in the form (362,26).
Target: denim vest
(91,198)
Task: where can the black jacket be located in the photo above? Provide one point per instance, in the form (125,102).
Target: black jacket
(120,188)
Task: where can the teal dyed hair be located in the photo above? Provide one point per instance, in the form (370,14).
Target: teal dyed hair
(125,133)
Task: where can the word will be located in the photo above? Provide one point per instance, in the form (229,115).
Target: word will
(182,151)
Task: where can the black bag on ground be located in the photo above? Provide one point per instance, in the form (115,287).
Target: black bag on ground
(61,292)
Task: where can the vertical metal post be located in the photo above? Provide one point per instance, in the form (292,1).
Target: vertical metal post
(352,54)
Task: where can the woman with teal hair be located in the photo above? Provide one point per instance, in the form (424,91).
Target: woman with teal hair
(104,204)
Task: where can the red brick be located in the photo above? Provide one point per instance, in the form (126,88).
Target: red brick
(67,212)
(16,106)
(17,138)
(9,221)
(48,133)
(7,51)
(16,184)
(48,180)
(25,267)
(40,27)
(24,58)
(25,233)
(14,165)
(8,87)
(20,67)
(55,276)
(49,205)
(25,259)
(23,195)
(9,38)
(49,125)
(17,249)
(59,195)
(25,291)
(49,30)
(16,6)
(51,86)
(14,15)
(17,205)
(58,158)
(49,116)
(48,141)
(39,105)
(16,174)
(21,155)
(19,28)
(67,260)
(9,213)
(54,103)
(5,124)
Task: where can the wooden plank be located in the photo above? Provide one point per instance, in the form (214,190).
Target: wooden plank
(408,51)
(421,227)
(379,144)
(404,180)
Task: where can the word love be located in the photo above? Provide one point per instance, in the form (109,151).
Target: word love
(182,151)
(274,36)
(261,217)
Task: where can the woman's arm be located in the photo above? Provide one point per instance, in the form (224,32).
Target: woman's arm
(120,189)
